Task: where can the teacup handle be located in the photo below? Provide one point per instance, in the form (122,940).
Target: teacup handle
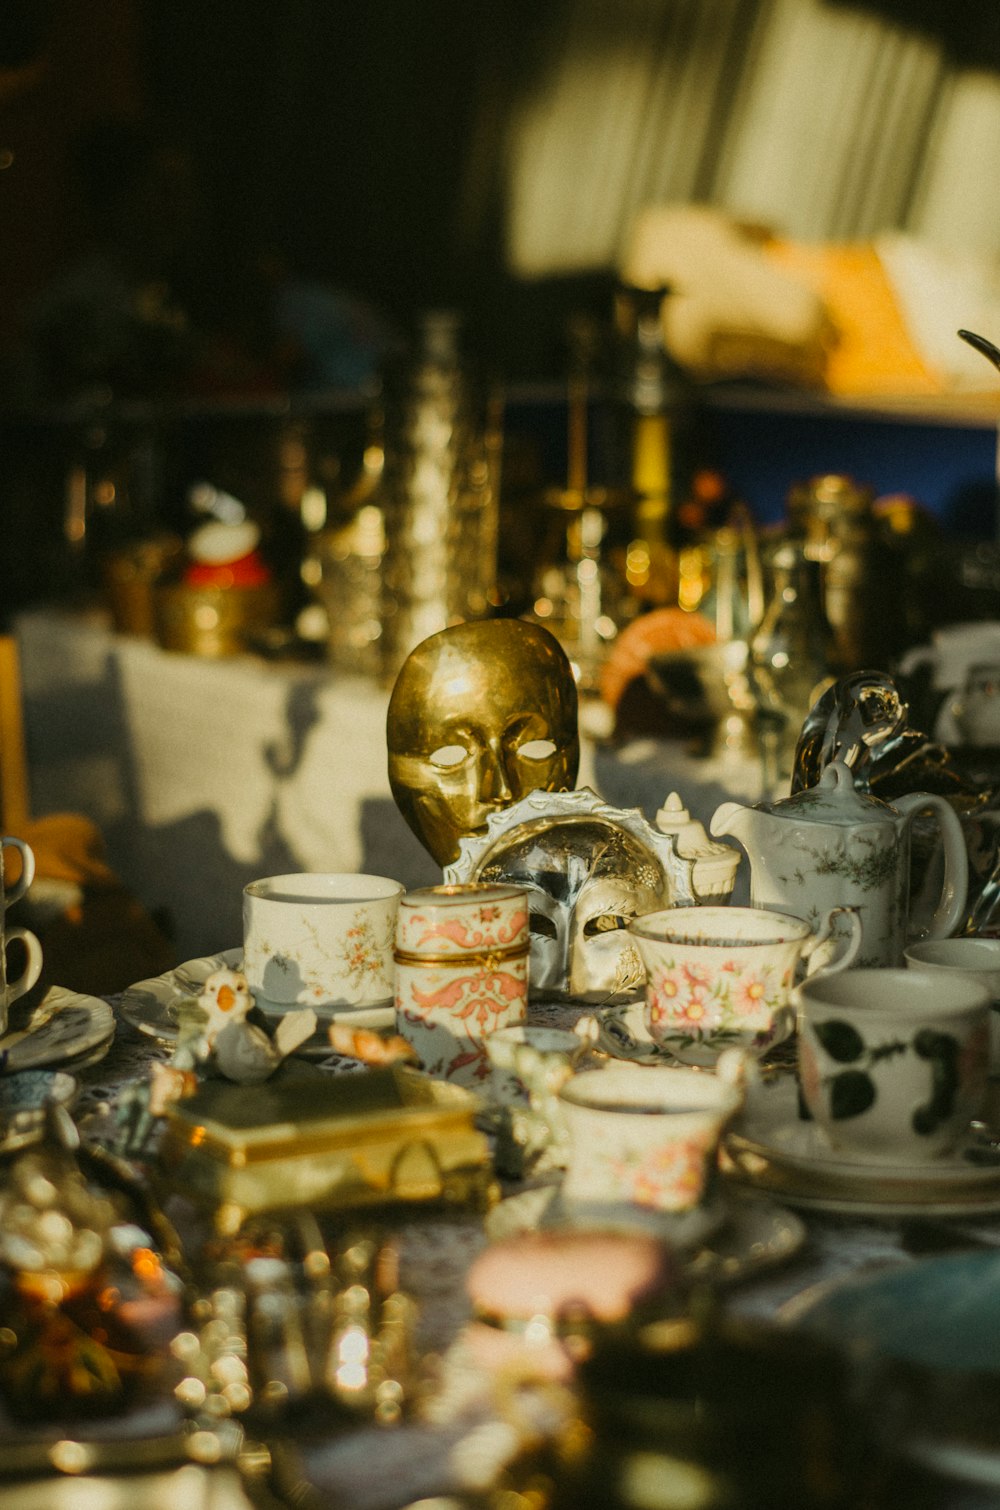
(940,921)
(33,966)
(11,894)
(737,1069)
(848,954)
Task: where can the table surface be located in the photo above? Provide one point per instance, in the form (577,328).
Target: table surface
(375,1469)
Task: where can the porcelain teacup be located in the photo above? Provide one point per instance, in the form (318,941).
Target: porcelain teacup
(321,941)
(719,977)
(975,959)
(644,1139)
(953,649)
(11,989)
(976,709)
(893,1063)
(526,1059)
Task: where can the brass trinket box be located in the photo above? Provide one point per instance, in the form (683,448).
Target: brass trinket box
(379,1136)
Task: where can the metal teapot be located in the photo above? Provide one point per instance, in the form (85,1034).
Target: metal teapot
(833,846)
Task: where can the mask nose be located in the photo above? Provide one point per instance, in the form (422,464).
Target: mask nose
(494,788)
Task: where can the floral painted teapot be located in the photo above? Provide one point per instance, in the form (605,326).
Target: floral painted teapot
(834,846)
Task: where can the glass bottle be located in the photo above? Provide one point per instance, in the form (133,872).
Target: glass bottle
(654,398)
(790,657)
(861,580)
(578,588)
(442,454)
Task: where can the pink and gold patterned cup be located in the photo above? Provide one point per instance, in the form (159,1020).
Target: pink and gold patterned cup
(461,973)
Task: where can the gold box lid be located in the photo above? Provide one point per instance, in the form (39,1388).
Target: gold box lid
(240,1125)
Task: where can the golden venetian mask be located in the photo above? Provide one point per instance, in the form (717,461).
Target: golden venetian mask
(481,715)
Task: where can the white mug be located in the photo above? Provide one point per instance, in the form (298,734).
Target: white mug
(893,1063)
(320,941)
(10,990)
(976,709)
(953,649)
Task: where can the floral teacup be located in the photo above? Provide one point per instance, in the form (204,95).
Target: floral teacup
(644,1138)
(720,977)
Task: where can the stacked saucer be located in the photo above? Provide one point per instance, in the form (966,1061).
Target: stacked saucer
(65,1029)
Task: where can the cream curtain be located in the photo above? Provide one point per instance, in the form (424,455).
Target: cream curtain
(823,121)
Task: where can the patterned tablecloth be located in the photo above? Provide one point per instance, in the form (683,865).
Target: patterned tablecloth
(459,1441)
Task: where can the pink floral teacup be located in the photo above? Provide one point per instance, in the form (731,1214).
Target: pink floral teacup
(643,1139)
(720,977)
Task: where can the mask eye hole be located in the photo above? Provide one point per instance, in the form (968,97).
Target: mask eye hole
(446,756)
(608,922)
(537,749)
(543,926)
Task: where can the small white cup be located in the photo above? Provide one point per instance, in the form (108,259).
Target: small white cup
(525,1058)
(893,1063)
(321,941)
(976,709)
(976,959)
(953,649)
(644,1136)
(10,990)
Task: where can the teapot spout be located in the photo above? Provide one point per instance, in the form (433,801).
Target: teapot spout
(731,818)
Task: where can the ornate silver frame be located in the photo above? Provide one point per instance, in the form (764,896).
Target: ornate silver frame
(541,810)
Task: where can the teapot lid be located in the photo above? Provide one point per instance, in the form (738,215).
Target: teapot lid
(834,799)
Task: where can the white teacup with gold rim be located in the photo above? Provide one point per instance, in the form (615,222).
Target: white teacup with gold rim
(721,977)
(321,941)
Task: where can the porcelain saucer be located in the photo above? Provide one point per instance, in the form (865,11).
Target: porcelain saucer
(748,1232)
(64,1028)
(771,1147)
(622,1033)
(151,1005)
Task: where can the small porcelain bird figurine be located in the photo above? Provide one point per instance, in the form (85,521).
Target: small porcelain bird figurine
(245,1053)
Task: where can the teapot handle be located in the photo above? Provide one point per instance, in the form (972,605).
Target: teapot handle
(940,921)
(822,963)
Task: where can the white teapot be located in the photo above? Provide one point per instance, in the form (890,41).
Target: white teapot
(833,846)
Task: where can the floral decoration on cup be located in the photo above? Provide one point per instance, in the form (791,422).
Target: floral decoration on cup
(721,976)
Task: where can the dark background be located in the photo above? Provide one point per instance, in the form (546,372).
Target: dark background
(358,144)
(226,147)
(361,144)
